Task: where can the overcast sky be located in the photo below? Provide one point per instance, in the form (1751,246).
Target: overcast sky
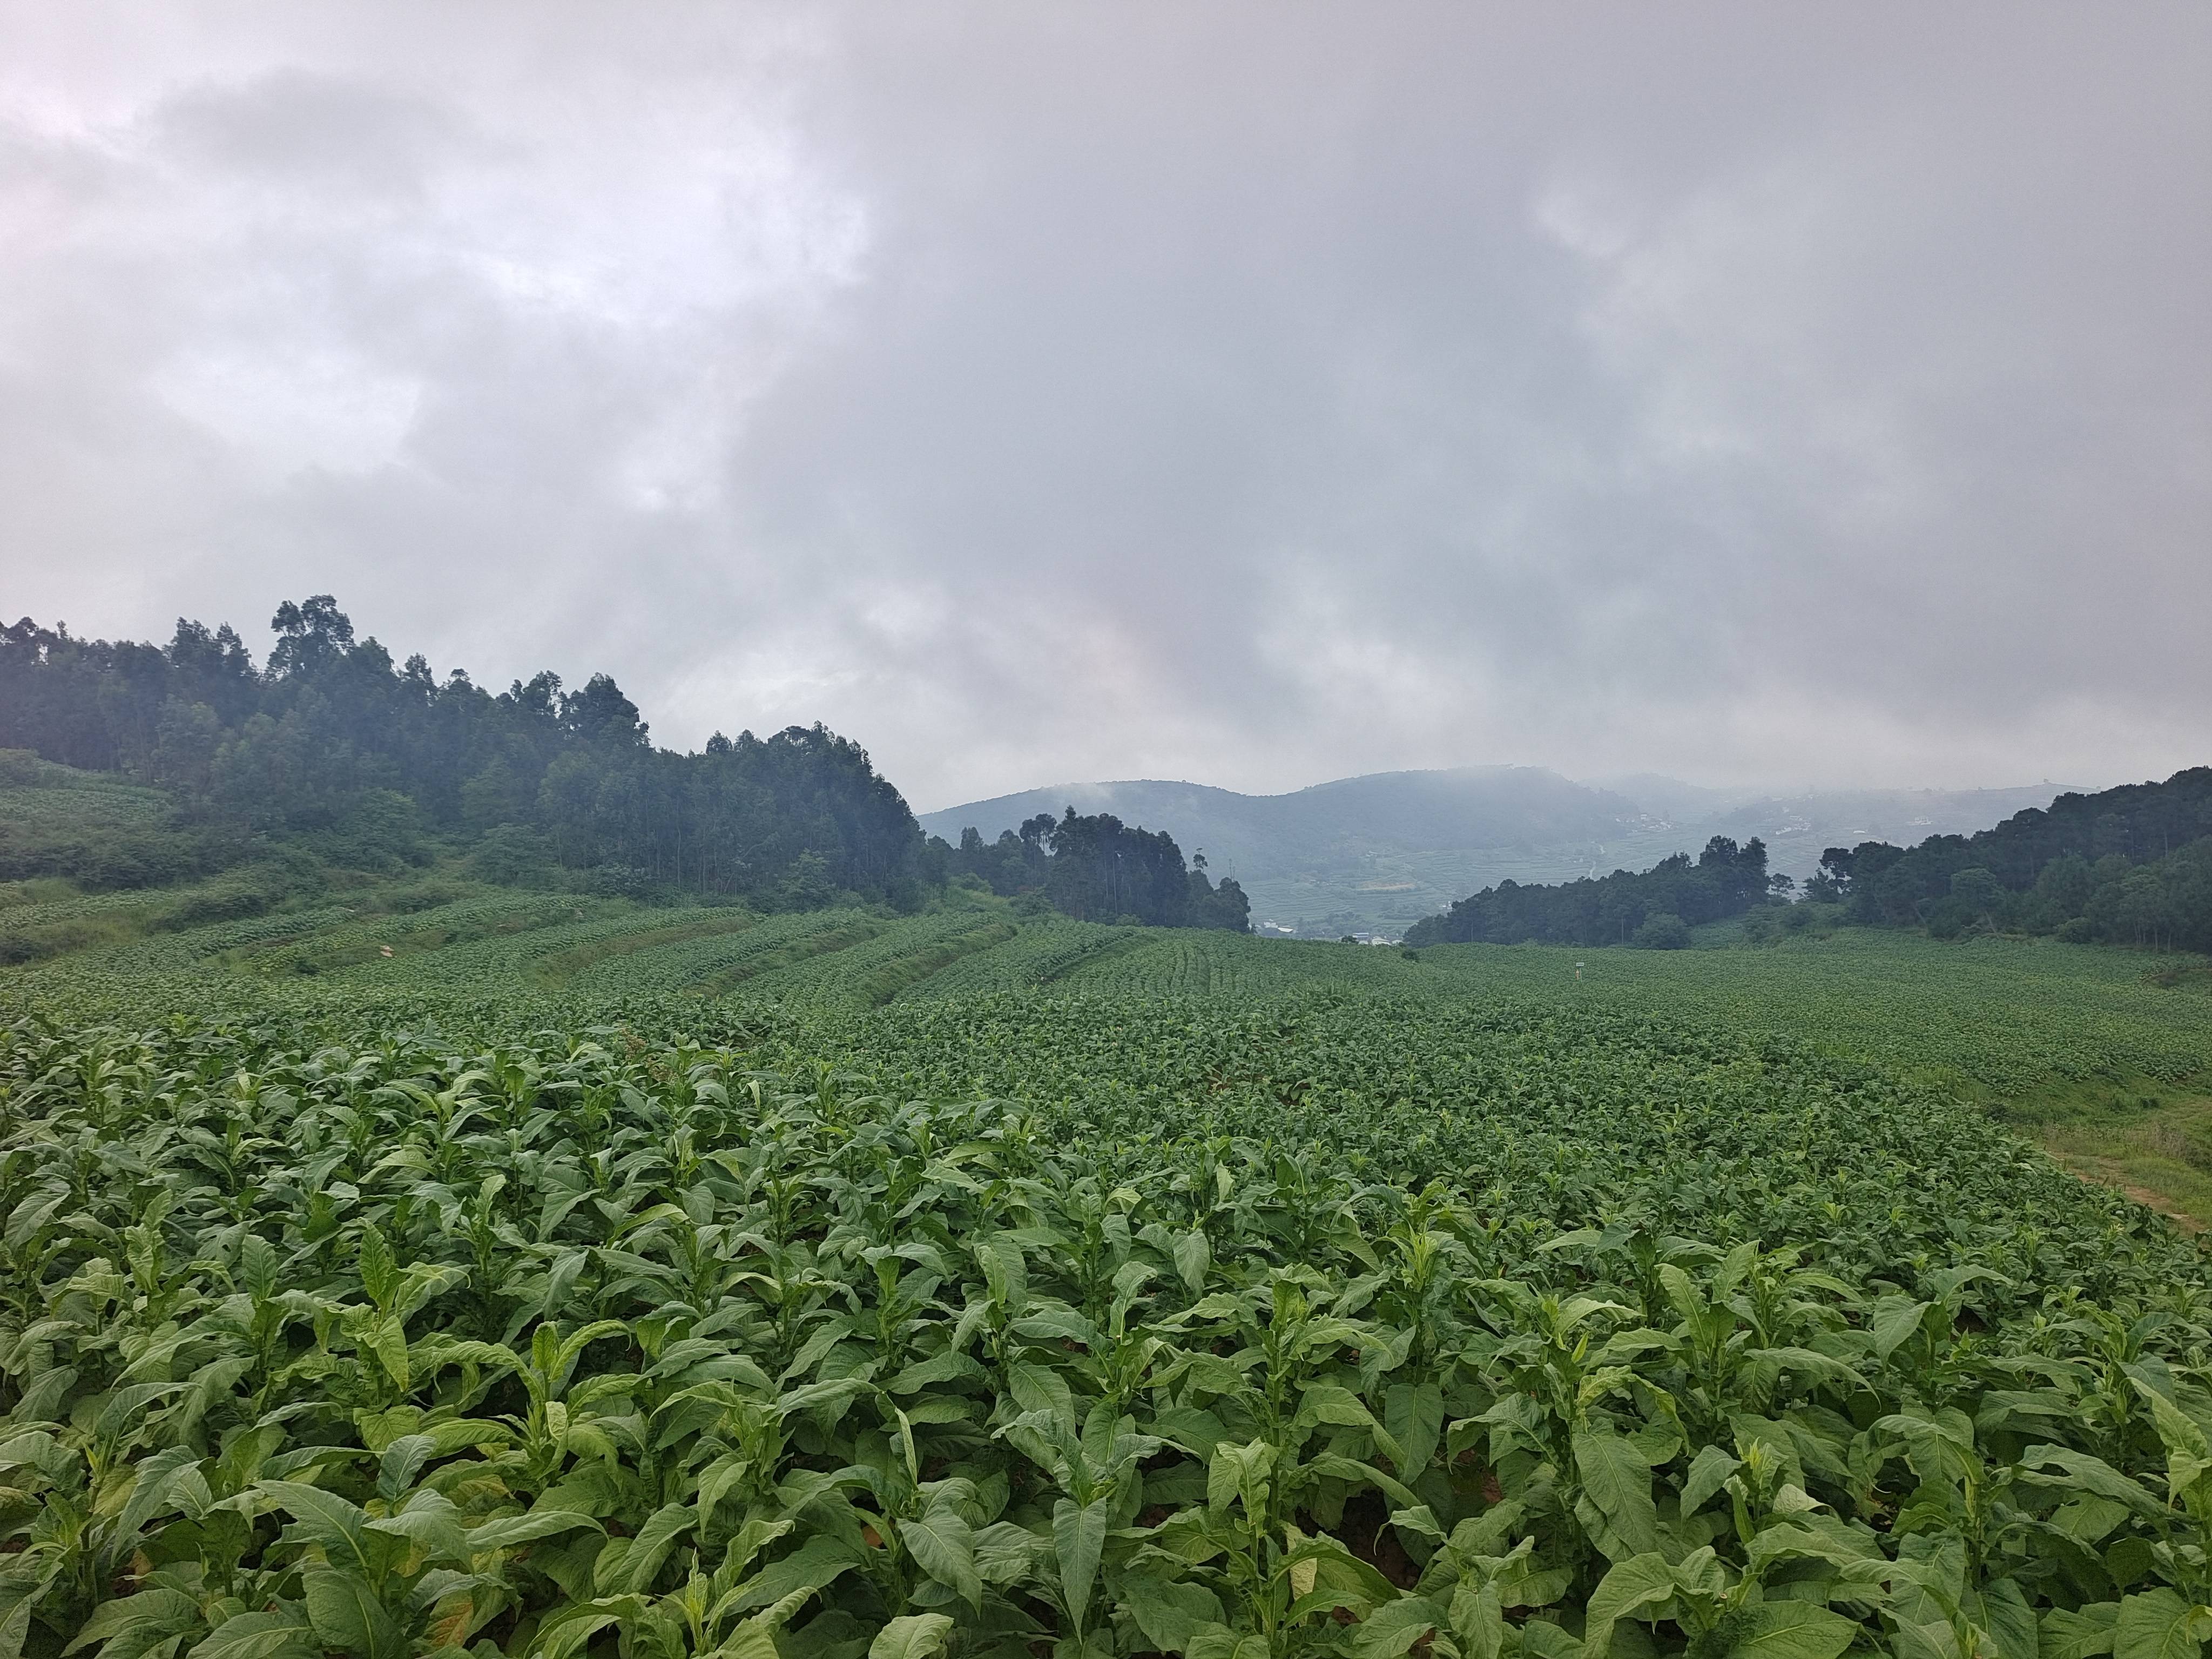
(1254,395)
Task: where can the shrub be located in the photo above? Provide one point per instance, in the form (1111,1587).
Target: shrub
(513,855)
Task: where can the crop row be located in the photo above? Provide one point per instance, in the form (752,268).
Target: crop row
(713,965)
(2007,1016)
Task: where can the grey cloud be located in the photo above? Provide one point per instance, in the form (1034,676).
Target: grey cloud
(1242,394)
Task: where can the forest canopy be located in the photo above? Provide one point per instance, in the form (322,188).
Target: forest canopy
(2131,865)
(334,748)
(201,759)
(1656,907)
(1098,869)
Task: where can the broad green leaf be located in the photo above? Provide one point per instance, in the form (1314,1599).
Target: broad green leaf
(131,1624)
(1642,1581)
(1393,1628)
(1057,1325)
(1079,1539)
(2003,1611)
(2088,1519)
(2159,1625)
(632,1572)
(1195,1431)
(431,1521)
(1220,1642)
(1806,1363)
(1193,1255)
(379,1272)
(386,1338)
(152,1486)
(1794,1630)
(1733,1267)
(271,1635)
(570,1629)
(833,1394)
(1007,1554)
(2083,1635)
(818,1562)
(1816,1538)
(1478,1619)
(2188,1450)
(951,1365)
(914,1636)
(1364,1475)
(323,1516)
(1618,1480)
(35,1447)
(1414,1414)
(507,1531)
(1894,1319)
(1039,1389)
(1542,1639)
(1681,1290)
(1709,1471)
(1420,1520)
(2093,1476)
(941,1542)
(402,1462)
(23,1224)
(347,1614)
(1225,1475)
(753,1639)
(1006,1270)
(1169,1610)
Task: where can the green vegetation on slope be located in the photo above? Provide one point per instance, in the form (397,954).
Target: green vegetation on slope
(1097,869)
(2150,883)
(1377,854)
(2106,1057)
(340,1316)
(1657,907)
(431,1267)
(2131,865)
(335,754)
(1383,849)
(99,832)
(2028,1026)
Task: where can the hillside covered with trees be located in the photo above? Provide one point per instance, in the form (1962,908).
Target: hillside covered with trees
(129,765)
(334,748)
(2131,865)
(1096,868)
(1656,907)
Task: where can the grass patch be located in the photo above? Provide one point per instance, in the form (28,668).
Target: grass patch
(2161,1156)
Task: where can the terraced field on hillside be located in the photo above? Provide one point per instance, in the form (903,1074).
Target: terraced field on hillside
(2013,1020)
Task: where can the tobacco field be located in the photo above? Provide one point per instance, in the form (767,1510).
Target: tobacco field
(639,1287)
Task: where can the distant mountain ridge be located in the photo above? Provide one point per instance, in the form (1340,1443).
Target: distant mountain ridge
(1494,806)
(1370,855)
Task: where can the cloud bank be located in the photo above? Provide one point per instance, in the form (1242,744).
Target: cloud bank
(1246,393)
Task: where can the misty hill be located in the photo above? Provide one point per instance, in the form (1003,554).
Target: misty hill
(1796,828)
(1364,854)
(1472,805)
(1375,854)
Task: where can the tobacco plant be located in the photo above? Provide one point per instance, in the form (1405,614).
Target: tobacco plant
(320,1334)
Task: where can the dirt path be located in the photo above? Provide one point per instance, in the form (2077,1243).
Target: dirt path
(2161,1157)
